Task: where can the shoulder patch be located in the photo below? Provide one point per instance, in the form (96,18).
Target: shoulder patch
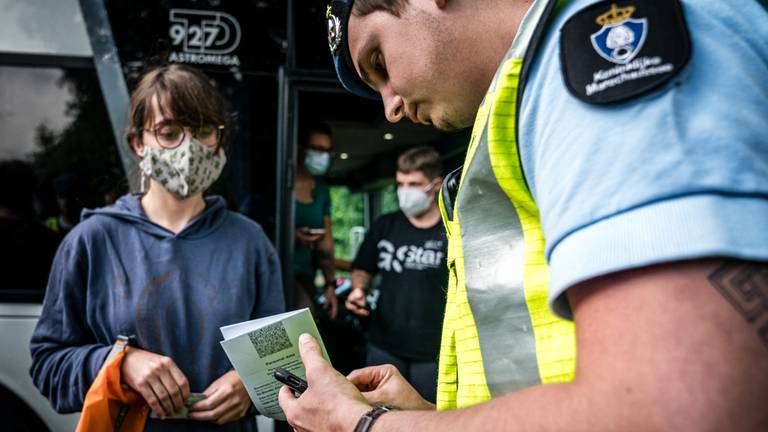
(615,50)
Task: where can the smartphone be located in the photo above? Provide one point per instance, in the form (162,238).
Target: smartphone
(296,383)
(316,231)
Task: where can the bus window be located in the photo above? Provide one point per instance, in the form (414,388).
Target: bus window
(387,197)
(58,156)
(43,27)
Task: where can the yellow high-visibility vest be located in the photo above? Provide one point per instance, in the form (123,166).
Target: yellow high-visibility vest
(498,334)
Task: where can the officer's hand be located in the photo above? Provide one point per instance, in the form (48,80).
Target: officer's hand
(356,302)
(385,385)
(330,402)
(225,400)
(157,378)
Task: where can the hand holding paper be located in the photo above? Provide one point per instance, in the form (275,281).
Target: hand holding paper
(225,400)
(330,402)
(256,348)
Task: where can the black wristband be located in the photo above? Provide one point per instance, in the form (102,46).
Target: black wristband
(368,419)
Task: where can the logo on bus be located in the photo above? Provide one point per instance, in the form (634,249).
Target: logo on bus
(204,37)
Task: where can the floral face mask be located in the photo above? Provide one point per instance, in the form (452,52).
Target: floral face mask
(184,170)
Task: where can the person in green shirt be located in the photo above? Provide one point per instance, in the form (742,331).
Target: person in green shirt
(313,232)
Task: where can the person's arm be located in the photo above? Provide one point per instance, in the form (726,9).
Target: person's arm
(325,260)
(669,347)
(66,358)
(356,302)
(65,355)
(361,279)
(364,267)
(342,264)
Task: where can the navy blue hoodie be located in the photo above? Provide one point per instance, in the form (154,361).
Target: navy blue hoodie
(117,272)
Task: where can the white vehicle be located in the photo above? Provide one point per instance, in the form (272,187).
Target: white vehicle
(22,407)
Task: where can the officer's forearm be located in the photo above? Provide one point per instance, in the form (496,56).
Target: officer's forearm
(659,348)
(543,408)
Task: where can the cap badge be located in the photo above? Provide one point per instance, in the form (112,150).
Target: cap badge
(334,31)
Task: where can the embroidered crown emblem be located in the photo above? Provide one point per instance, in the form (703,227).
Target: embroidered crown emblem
(615,15)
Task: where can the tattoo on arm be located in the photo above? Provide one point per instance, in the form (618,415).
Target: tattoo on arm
(360,278)
(745,286)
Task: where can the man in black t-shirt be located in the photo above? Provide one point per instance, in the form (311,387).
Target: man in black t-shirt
(408,249)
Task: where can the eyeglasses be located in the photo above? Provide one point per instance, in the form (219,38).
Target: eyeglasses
(170,134)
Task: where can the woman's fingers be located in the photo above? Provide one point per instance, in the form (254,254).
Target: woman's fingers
(220,407)
(151,398)
(181,381)
(162,397)
(173,390)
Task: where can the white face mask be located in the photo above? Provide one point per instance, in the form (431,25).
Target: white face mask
(184,170)
(414,201)
(317,162)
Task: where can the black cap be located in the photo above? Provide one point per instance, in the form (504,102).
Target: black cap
(337,14)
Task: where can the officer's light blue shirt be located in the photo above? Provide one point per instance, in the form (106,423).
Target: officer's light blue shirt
(677,173)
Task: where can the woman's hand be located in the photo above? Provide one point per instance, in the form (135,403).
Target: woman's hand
(225,400)
(157,378)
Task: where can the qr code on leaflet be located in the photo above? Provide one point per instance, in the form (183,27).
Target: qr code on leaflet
(270,339)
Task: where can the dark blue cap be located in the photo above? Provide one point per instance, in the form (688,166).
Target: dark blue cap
(337,14)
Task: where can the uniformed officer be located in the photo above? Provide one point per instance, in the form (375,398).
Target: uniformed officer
(613,208)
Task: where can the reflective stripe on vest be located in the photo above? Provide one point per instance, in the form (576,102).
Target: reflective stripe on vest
(498,334)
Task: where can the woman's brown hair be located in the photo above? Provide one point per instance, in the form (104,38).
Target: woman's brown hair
(184,94)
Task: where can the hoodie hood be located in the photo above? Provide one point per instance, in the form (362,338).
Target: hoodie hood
(128,210)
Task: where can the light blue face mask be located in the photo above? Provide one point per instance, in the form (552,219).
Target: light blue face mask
(317,162)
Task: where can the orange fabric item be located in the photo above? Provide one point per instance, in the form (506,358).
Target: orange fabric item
(110,405)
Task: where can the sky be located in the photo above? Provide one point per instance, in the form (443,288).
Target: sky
(29,97)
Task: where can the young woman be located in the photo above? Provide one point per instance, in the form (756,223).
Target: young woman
(167,265)
(313,230)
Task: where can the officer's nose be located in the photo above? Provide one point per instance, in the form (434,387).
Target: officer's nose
(394,107)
